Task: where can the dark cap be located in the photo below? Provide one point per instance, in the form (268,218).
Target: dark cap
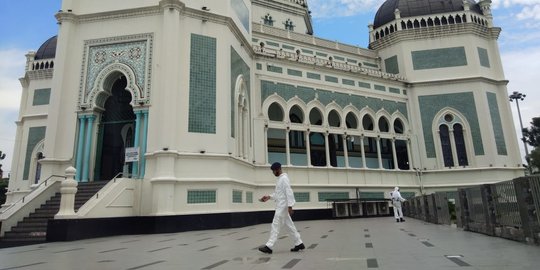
(275,166)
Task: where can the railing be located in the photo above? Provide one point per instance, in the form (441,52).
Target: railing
(36,188)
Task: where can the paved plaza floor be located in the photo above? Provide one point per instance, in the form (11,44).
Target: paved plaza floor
(363,243)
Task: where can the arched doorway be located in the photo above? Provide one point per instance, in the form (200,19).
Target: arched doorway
(116,130)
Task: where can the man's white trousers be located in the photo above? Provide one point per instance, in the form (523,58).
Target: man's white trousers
(398,213)
(282,217)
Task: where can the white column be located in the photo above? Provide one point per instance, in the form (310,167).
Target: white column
(409,156)
(363,151)
(453,145)
(394,156)
(379,158)
(345,151)
(308,149)
(287,146)
(327,149)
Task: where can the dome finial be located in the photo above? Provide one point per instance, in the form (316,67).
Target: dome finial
(397,13)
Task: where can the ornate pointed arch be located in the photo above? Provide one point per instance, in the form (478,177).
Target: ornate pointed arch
(104,82)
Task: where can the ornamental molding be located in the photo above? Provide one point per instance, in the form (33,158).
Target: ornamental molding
(129,55)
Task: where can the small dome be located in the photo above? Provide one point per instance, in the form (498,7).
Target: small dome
(47,50)
(412,8)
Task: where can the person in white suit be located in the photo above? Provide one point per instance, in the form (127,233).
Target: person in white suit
(396,202)
(284,198)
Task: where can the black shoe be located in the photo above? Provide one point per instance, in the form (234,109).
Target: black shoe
(298,247)
(265,249)
(402,220)
(397,219)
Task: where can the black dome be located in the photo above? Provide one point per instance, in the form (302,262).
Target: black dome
(411,8)
(47,49)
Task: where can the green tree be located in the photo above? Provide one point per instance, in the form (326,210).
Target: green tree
(532,134)
(535,159)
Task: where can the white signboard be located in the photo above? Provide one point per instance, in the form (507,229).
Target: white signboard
(132,154)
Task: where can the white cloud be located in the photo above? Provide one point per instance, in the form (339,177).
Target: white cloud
(12,63)
(528,9)
(342,8)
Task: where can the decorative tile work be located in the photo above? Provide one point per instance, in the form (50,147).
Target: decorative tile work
(35,135)
(339,58)
(202,85)
(307,51)
(274,69)
(379,87)
(249,197)
(237,196)
(133,52)
(301,196)
(394,90)
(462,102)
(242,12)
(348,82)
(391,65)
(439,58)
(331,79)
(307,94)
(352,61)
(201,196)
(364,85)
(314,76)
(41,96)
(238,67)
(324,196)
(259,66)
(321,54)
(498,131)
(294,72)
(371,195)
(484,58)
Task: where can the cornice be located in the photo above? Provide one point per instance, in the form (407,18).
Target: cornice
(41,74)
(460,80)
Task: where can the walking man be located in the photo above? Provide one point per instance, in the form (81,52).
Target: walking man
(396,201)
(284,198)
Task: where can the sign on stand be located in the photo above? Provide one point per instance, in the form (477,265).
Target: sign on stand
(132,154)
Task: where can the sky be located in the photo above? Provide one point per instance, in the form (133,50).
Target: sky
(26,24)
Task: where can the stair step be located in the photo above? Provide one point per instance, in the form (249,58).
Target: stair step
(29,229)
(24,235)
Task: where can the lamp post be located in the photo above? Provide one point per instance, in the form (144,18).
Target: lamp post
(517,96)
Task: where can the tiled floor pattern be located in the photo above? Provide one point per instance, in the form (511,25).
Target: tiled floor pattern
(374,243)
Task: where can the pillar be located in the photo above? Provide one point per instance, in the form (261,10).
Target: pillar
(68,189)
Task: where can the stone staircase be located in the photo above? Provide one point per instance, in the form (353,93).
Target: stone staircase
(33,228)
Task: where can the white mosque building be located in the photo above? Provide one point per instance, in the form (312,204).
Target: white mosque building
(204,95)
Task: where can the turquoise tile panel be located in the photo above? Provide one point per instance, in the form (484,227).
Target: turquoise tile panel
(35,135)
(321,54)
(301,196)
(407,195)
(202,85)
(41,96)
(370,64)
(364,85)
(371,195)
(484,58)
(439,58)
(274,69)
(325,196)
(391,65)
(294,72)
(249,197)
(352,61)
(237,196)
(201,196)
(242,12)
(496,122)
(394,90)
(307,51)
(331,79)
(273,44)
(348,82)
(259,66)
(462,102)
(238,67)
(288,47)
(379,87)
(314,76)
(339,58)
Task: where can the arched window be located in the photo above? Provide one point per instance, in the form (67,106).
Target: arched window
(37,175)
(398,126)
(460,145)
(409,25)
(403,25)
(430,22)
(423,23)
(416,24)
(296,115)
(275,112)
(315,117)
(383,124)
(351,121)
(446,146)
(367,122)
(333,119)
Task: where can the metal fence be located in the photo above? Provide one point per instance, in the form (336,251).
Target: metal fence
(509,209)
(360,208)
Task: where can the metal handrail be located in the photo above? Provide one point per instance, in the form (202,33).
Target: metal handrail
(44,182)
(114,180)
